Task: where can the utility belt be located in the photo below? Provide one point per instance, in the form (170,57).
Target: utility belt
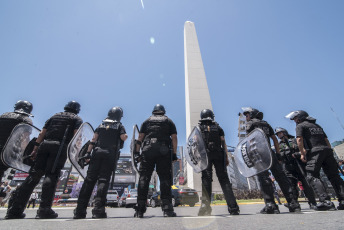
(111,148)
(156,141)
(49,141)
(211,146)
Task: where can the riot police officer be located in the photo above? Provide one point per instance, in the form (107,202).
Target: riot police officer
(155,137)
(316,150)
(107,140)
(21,114)
(213,136)
(293,167)
(255,120)
(50,153)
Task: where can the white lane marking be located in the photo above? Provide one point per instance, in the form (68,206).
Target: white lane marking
(205,217)
(310,212)
(57,220)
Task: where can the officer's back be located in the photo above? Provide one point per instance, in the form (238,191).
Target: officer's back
(8,120)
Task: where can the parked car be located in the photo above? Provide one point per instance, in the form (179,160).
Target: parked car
(112,198)
(122,199)
(131,198)
(180,196)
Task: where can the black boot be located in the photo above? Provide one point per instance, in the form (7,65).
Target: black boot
(46,213)
(341,205)
(294,206)
(270,208)
(140,209)
(205,209)
(79,214)
(326,205)
(168,210)
(99,214)
(312,206)
(10,215)
(234,211)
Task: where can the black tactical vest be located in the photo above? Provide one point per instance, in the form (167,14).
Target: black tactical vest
(109,135)
(58,125)
(287,149)
(7,122)
(211,135)
(158,130)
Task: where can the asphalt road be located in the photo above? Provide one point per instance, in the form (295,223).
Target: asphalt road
(122,218)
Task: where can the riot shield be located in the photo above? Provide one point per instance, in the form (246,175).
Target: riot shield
(18,144)
(76,147)
(253,154)
(196,154)
(134,157)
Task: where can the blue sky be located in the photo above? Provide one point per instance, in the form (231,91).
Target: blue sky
(277,56)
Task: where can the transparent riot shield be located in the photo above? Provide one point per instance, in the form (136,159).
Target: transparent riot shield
(18,146)
(134,157)
(196,154)
(253,154)
(78,146)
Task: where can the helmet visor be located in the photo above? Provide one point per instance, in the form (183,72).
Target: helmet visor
(246,109)
(292,115)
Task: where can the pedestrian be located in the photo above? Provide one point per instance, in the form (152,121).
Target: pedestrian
(108,139)
(50,153)
(9,120)
(317,153)
(255,120)
(214,139)
(33,198)
(293,167)
(157,137)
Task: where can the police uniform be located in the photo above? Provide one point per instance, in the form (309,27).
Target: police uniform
(211,134)
(7,123)
(156,152)
(320,155)
(294,168)
(56,129)
(265,183)
(102,164)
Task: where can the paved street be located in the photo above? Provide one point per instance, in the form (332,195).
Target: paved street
(121,218)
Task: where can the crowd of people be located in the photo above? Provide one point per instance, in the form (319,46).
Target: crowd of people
(296,159)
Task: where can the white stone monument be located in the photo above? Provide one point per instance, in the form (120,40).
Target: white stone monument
(197,96)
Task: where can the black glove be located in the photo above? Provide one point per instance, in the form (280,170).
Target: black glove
(174,157)
(137,157)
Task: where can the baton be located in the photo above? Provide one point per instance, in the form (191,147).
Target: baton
(60,150)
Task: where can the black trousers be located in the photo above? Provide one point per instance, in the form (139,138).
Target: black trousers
(46,156)
(163,164)
(325,160)
(102,165)
(218,160)
(33,202)
(266,184)
(294,174)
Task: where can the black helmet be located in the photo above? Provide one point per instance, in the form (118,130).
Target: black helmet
(279,129)
(115,113)
(300,114)
(73,107)
(254,113)
(23,107)
(159,109)
(207,114)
